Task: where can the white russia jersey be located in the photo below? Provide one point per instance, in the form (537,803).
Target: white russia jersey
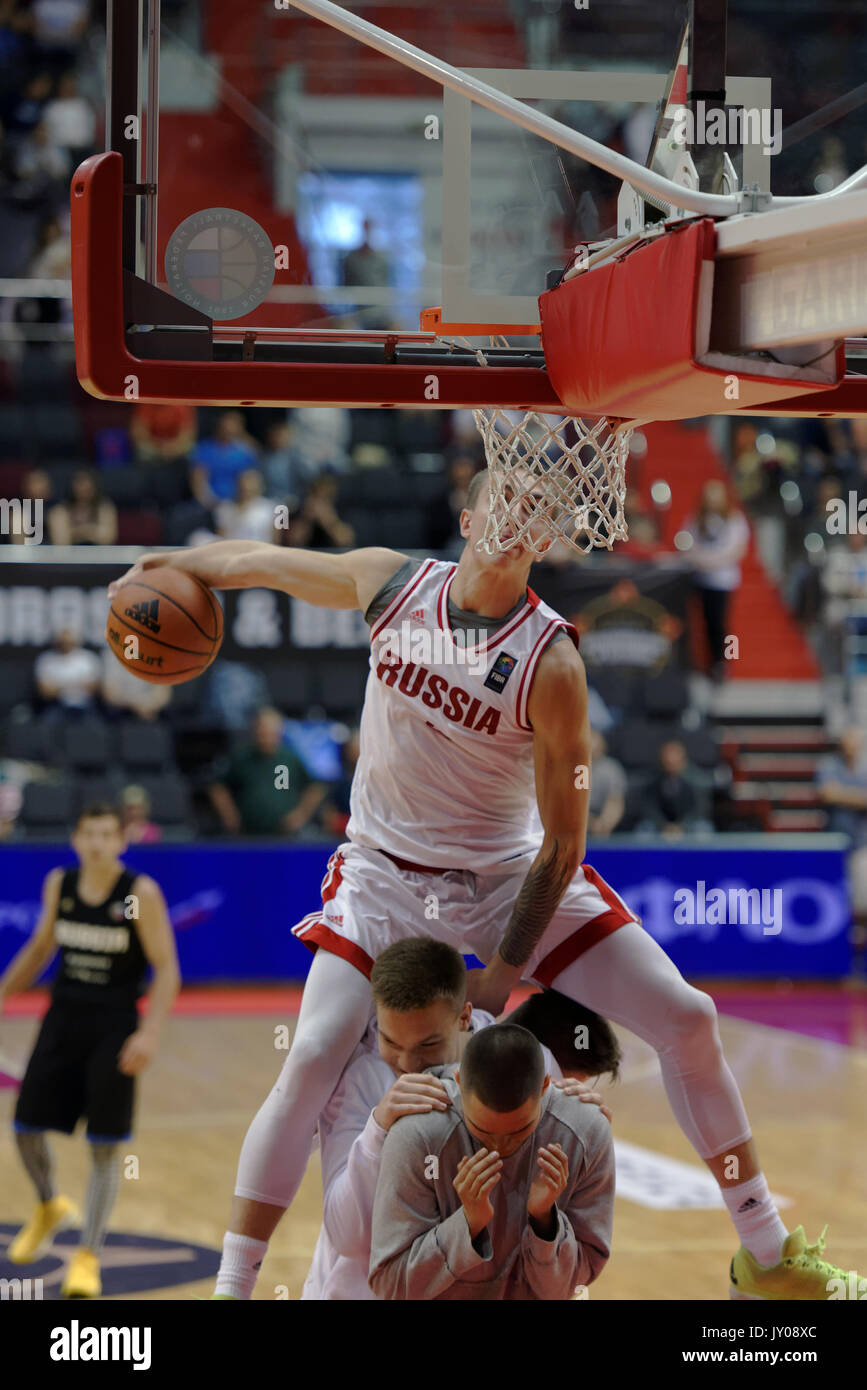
(445,772)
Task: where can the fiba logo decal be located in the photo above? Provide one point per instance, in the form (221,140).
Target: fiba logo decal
(131,1264)
(220,262)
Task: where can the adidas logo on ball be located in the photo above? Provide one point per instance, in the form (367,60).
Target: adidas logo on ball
(147,614)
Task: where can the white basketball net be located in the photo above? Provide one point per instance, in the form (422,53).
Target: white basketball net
(553,479)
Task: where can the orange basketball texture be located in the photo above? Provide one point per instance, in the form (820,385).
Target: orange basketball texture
(177,621)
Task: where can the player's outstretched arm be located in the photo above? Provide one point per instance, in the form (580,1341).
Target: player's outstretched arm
(557,711)
(329,581)
(31,960)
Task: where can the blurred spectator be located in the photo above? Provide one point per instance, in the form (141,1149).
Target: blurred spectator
(286,474)
(67,677)
(251,516)
(803,585)
(758,472)
(815,515)
(235,691)
(465,434)
(676,802)
(263,788)
(87,519)
(320,438)
(52,260)
(720,536)
(135,807)
(10,799)
(124,693)
(443,515)
(41,164)
(53,256)
(35,488)
(70,118)
(598,713)
(316,524)
(163,433)
(334,812)
(22,109)
(58,28)
(607,789)
(219,459)
(842,779)
(844,583)
(642,526)
(366,268)
(14,26)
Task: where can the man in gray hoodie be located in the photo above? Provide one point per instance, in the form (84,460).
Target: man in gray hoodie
(508,1193)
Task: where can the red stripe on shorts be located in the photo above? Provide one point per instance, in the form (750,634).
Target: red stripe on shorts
(592,932)
(318,934)
(333,877)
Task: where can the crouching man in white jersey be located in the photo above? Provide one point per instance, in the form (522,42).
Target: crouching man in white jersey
(423,1019)
(468,824)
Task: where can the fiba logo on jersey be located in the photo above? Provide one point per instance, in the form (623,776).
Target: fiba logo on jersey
(426,647)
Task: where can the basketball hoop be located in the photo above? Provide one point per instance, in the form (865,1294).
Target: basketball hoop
(553,478)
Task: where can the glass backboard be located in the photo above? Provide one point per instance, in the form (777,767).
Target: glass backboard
(381,194)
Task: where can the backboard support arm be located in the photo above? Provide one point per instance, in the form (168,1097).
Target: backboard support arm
(123,109)
(707,81)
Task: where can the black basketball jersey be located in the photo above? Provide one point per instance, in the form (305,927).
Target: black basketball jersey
(101,957)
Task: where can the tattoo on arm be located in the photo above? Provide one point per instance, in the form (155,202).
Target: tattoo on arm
(534,907)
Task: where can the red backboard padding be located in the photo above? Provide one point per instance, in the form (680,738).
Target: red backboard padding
(620,339)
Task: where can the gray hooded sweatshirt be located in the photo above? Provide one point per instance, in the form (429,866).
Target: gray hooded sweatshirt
(421,1246)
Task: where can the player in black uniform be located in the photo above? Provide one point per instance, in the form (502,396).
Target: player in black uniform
(109,924)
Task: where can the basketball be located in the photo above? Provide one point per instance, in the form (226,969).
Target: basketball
(176,623)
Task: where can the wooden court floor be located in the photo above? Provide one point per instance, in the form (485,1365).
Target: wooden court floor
(806,1097)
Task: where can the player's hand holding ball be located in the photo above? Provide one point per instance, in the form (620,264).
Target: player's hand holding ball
(164,624)
(144,562)
(477,1176)
(137,1052)
(412,1094)
(546,1188)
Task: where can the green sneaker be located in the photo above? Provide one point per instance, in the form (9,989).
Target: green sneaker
(801,1274)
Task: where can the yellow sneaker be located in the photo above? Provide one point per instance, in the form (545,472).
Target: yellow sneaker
(800,1275)
(82,1275)
(34,1239)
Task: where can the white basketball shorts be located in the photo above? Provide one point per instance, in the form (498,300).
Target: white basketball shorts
(370,900)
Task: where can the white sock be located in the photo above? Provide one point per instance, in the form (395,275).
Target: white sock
(756,1219)
(241,1262)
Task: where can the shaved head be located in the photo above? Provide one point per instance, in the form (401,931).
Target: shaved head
(477,482)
